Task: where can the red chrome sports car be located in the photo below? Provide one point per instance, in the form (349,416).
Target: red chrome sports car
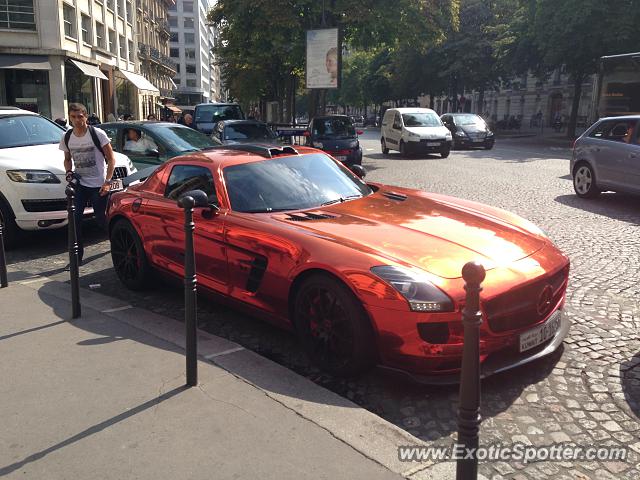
(364,273)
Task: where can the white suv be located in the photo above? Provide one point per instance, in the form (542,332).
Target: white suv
(32,175)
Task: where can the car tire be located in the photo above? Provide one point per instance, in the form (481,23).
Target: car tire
(383,144)
(584,181)
(11,232)
(333,326)
(445,152)
(403,148)
(128,256)
(488,147)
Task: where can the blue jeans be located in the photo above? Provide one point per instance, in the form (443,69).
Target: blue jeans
(99,203)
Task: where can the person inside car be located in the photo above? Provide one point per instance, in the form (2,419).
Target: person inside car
(136,143)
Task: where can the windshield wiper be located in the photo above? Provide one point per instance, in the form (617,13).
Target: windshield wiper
(341,199)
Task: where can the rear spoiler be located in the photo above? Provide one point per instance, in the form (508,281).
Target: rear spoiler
(140,175)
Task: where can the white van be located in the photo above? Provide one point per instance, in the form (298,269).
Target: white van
(414,130)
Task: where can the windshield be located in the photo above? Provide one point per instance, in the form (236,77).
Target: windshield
(24,130)
(421,120)
(468,120)
(217,113)
(290,183)
(333,127)
(183,139)
(245,131)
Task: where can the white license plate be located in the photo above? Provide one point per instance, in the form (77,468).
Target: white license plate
(341,158)
(433,144)
(478,140)
(540,334)
(116,185)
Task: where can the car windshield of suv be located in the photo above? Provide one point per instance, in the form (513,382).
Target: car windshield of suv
(421,120)
(246,131)
(338,127)
(461,120)
(290,183)
(217,113)
(24,130)
(183,139)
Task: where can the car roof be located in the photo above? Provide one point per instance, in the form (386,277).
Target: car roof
(620,117)
(242,122)
(412,110)
(218,104)
(6,110)
(141,123)
(456,114)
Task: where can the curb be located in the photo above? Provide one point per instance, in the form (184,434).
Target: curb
(363,431)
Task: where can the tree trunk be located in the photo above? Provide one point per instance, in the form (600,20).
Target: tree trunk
(431,101)
(480,107)
(577,91)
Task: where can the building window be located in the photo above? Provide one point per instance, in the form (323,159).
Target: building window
(174,52)
(191,68)
(129,13)
(112,41)
(191,83)
(18,14)
(100,35)
(86,29)
(188,22)
(123,47)
(69,14)
(130,43)
(174,37)
(189,38)
(172,7)
(187,6)
(176,81)
(190,53)
(121,8)
(173,22)
(111,5)
(177,68)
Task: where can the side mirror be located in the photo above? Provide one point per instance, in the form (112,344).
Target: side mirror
(152,153)
(360,132)
(199,198)
(358,170)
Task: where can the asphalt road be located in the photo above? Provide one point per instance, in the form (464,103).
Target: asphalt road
(588,393)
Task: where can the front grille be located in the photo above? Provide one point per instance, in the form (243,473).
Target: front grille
(518,308)
(46,205)
(119,172)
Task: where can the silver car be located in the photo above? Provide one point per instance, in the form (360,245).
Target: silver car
(607,157)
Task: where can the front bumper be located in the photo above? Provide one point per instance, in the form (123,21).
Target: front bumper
(353,158)
(496,362)
(467,142)
(428,146)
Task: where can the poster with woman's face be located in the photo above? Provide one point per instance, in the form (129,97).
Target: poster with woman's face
(323,66)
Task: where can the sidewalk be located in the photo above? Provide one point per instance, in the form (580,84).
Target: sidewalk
(102,397)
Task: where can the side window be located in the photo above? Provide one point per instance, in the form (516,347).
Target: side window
(616,131)
(397,122)
(190,177)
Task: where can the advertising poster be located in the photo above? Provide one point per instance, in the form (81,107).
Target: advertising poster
(323,58)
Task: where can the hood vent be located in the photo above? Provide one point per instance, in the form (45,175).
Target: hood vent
(395,196)
(307,216)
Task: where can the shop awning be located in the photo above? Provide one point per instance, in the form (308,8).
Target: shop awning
(89,70)
(173,109)
(140,82)
(25,62)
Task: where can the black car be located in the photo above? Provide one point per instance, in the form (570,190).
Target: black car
(207,115)
(468,130)
(336,135)
(231,132)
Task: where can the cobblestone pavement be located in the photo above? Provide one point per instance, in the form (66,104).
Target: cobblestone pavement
(588,393)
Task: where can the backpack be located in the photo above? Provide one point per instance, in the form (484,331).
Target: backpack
(94,137)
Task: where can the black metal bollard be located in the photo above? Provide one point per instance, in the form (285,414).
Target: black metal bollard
(190,284)
(73,252)
(469,407)
(4,282)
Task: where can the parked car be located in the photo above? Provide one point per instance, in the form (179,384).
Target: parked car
(32,174)
(207,115)
(468,130)
(414,130)
(230,132)
(364,273)
(336,135)
(158,141)
(607,157)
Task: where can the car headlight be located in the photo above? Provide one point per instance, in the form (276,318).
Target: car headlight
(414,135)
(448,136)
(32,176)
(422,295)
(317,144)
(461,134)
(489,133)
